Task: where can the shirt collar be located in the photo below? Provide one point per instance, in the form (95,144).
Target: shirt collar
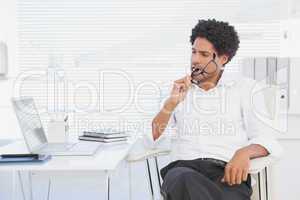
(229,77)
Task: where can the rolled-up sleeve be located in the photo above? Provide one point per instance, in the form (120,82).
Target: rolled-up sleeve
(258,112)
(171,129)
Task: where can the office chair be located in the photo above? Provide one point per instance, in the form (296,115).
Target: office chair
(258,170)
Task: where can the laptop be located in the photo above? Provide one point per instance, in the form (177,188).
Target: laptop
(35,137)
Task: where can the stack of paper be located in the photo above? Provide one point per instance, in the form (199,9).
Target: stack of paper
(104,136)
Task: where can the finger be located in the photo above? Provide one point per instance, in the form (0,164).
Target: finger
(239,176)
(176,87)
(233,172)
(227,174)
(188,80)
(180,80)
(181,87)
(179,84)
(245,175)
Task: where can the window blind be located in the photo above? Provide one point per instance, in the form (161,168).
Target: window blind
(117,58)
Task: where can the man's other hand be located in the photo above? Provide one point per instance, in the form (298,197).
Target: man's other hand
(236,170)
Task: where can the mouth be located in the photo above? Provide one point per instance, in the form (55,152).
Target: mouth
(196,75)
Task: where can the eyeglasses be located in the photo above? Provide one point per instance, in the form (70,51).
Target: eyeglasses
(210,68)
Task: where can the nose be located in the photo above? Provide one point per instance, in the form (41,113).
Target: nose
(195,60)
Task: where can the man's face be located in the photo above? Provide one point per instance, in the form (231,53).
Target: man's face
(203,56)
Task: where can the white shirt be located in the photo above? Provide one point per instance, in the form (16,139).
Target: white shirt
(218,122)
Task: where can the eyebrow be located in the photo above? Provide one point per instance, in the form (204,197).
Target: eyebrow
(201,51)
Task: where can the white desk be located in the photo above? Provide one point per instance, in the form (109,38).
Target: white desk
(107,159)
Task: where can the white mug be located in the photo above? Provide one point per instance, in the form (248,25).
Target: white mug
(57,131)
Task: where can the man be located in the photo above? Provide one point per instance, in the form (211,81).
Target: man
(217,131)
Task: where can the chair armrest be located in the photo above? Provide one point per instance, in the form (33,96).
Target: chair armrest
(144,149)
(148,153)
(258,164)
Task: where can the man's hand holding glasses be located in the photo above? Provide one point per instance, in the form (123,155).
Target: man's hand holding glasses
(180,89)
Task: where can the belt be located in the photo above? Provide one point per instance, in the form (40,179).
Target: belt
(216,161)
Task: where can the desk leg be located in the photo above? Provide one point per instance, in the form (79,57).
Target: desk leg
(29,183)
(108,185)
(49,189)
(130,180)
(14,185)
(21,184)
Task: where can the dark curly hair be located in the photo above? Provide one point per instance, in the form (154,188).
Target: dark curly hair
(222,35)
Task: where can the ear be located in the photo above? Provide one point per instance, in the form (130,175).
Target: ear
(224,59)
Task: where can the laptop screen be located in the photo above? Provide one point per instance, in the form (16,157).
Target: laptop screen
(30,123)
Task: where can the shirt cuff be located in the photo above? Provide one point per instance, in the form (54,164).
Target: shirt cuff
(271,145)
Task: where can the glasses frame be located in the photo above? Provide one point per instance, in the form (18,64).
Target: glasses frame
(196,72)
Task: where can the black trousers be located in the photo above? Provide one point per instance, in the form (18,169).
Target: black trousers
(200,180)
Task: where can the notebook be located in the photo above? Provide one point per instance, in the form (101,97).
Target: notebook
(24,158)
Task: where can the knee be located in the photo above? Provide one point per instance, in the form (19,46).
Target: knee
(182,182)
(180,174)
(176,180)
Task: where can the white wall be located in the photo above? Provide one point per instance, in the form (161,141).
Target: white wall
(8,34)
